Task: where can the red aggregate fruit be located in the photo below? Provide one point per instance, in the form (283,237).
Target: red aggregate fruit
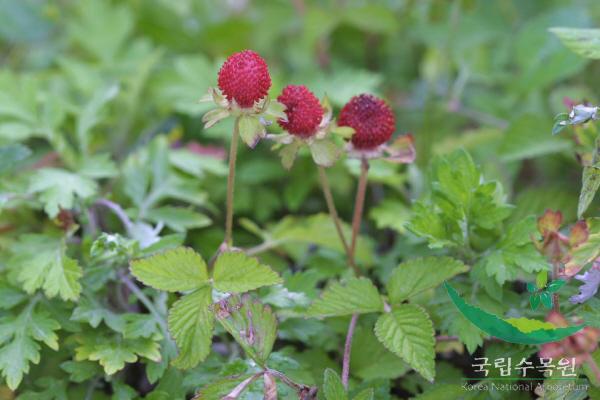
(303,109)
(244,77)
(371,118)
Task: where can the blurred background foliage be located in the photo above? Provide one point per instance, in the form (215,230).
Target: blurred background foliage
(106,92)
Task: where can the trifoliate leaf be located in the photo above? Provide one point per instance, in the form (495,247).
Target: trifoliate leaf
(408,332)
(191,325)
(332,386)
(174,270)
(57,189)
(235,272)
(252,325)
(416,275)
(356,296)
(19,337)
(40,262)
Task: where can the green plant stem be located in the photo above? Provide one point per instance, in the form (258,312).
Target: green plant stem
(231,183)
(145,301)
(359,204)
(335,217)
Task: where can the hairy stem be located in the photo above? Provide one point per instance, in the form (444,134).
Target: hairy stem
(335,217)
(231,183)
(348,350)
(359,204)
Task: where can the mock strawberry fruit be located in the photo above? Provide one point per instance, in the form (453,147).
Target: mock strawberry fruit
(244,77)
(372,120)
(303,109)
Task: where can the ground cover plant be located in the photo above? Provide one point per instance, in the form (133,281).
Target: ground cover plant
(299,200)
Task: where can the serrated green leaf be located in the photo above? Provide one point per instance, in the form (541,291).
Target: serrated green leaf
(58,188)
(514,253)
(332,386)
(112,353)
(355,296)
(235,272)
(370,360)
(80,371)
(191,325)
(174,270)
(91,311)
(40,262)
(19,337)
(408,332)
(417,275)
(252,325)
(139,326)
(585,42)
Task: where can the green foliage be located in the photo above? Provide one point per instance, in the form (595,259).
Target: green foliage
(40,262)
(191,325)
(175,270)
(355,296)
(113,167)
(414,276)
(585,42)
(235,272)
(20,336)
(408,332)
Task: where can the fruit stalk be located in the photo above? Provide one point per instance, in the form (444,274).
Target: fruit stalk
(356,221)
(335,217)
(231,183)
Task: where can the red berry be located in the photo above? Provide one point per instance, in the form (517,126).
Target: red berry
(303,109)
(371,118)
(244,77)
